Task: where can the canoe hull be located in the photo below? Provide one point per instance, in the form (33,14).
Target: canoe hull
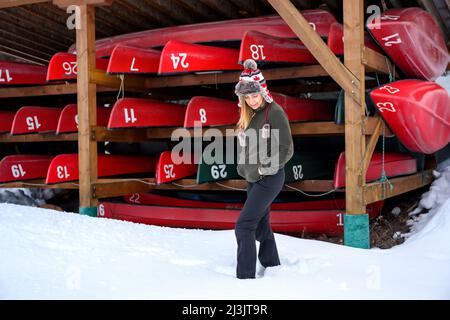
(418,112)
(168,169)
(6,120)
(129,60)
(68,120)
(14,73)
(63,66)
(35,120)
(24,167)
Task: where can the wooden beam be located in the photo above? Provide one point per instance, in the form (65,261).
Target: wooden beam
(38,184)
(66,3)
(105,188)
(371,145)
(354,108)
(16,3)
(46,90)
(317,47)
(87,106)
(374,192)
(37,137)
(377,62)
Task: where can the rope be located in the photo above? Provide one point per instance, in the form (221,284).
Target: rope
(185,186)
(121,87)
(231,188)
(383,4)
(308,194)
(139,180)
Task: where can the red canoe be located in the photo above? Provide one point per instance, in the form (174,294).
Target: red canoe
(16,73)
(24,167)
(181,57)
(417,111)
(129,59)
(68,120)
(336,40)
(134,112)
(63,66)
(327,220)
(299,109)
(6,120)
(168,170)
(207,111)
(395,164)
(264,48)
(414,41)
(229,30)
(35,119)
(64,167)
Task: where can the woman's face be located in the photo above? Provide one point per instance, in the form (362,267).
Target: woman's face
(254,100)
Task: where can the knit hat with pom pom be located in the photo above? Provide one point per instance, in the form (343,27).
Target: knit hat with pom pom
(252,81)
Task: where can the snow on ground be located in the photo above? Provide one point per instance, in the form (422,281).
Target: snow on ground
(46,254)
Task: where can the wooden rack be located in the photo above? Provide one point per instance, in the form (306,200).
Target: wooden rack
(361,134)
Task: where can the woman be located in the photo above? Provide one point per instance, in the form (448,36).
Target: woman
(264,137)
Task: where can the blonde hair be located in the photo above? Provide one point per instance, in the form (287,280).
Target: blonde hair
(246,115)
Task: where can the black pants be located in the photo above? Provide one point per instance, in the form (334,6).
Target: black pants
(254,224)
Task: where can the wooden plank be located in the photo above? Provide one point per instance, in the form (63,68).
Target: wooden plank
(38,184)
(376,62)
(105,188)
(140,83)
(371,145)
(317,47)
(16,3)
(354,108)
(87,105)
(66,3)
(374,192)
(46,90)
(37,137)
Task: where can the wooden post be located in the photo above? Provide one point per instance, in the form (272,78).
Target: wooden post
(356,221)
(87,104)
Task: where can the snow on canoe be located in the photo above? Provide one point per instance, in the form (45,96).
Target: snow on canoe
(64,167)
(63,66)
(181,57)
(413,40)
(327,220)
(170,169)
(211,32)
(35,119)
(24,167)
(417,111)
(336,40)
(299,109)
(68,120)
(207,111)
(264,48)
(16,73)
(395,164)
(134,112)
(129,59)
(6,120)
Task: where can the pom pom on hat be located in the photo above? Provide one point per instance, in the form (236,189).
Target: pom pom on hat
(250,64)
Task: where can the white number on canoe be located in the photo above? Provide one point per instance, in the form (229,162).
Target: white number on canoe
(340,220)
(5,76)
(392,39)
(388,106)
(101,210)
(17,171)
(133,65)
(219,171)
(70,68)
(129,115)
(180,58)
(202,113)
(33,123)
(168,170)
(135,198)
(390,89)
(298,172)
(257,52)
(390,17)
(62,172)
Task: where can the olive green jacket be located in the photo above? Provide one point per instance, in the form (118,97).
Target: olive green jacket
(265,156)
